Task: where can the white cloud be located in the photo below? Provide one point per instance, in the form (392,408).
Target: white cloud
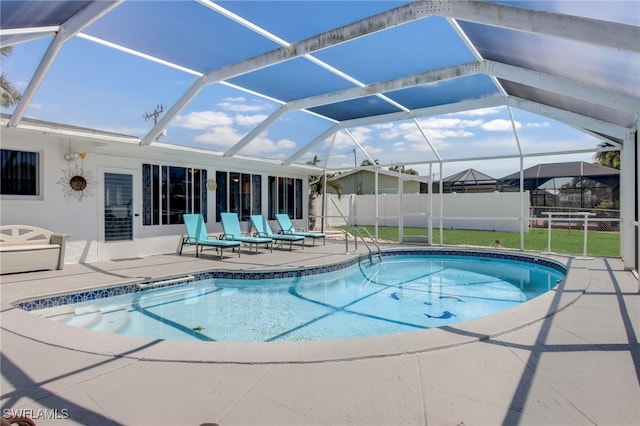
(537,125)
(202,120)
(499,125)
(265,146)
(437,123)
(343,141)
(221,136)
(250,120)
(480,112)
(240,105)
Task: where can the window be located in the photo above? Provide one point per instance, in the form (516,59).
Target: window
(239,193)
(169,192)
(19,175)
(285,196)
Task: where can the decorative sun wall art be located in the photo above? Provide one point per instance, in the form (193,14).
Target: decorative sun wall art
(77,183)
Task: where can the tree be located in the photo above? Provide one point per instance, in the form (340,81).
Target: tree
(9,96)
(608,158)
(367,162)
(400,168)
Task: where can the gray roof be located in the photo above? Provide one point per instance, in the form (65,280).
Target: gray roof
(469,176)
(541,173)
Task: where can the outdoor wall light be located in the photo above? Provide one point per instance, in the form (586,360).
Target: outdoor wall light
(72,156)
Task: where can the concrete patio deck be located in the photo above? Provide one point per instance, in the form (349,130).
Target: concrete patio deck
(569,357)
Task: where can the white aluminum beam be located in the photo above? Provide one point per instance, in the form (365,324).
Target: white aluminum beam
(373,24)
(426,138)
(11,37)
(592,31)
(138,54)
(388,86)
(364,151)
(324,135)
(422,112)
(256,131)
(564,86)
(85,17)
(572,119)
(461,106)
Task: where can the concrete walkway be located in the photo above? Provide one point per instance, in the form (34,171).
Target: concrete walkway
(569,357)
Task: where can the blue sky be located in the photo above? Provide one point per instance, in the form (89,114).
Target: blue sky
(98,87)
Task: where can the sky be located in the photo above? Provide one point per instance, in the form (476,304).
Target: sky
(95,86)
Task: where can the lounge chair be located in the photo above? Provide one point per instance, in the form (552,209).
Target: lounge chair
(264,230)
(232,232)
(287,228)
(197,234)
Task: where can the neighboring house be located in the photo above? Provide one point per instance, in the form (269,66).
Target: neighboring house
(469,180)
(363,182)
(119,199)
(576,184)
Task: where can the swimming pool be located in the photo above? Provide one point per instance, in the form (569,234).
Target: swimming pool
(398,293)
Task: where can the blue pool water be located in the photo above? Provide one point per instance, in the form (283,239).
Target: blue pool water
(397,294)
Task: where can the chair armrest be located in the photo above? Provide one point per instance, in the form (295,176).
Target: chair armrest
(59,238)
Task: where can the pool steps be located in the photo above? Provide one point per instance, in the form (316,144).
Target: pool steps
(90,317)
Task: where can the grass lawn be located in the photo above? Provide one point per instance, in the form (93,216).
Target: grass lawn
(604,244)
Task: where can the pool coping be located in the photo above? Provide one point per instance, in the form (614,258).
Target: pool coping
(58,299)
(53,333)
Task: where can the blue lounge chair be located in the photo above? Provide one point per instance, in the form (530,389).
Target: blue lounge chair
(264,230)
(197,234)
(287,228)
(232,232)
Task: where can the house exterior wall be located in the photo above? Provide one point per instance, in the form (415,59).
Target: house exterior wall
(363,183)
(54,211)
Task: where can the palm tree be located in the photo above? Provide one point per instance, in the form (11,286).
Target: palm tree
(9,96)
(400,168)
(608,158)
(367,162)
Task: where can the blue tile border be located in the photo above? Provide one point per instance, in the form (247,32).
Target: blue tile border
(84,296)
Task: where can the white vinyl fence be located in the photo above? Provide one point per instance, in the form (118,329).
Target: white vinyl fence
(496,211)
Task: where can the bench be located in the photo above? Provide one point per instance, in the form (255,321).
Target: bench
(25,248)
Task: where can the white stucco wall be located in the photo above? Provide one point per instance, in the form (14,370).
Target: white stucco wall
(81,219)
(498,211)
